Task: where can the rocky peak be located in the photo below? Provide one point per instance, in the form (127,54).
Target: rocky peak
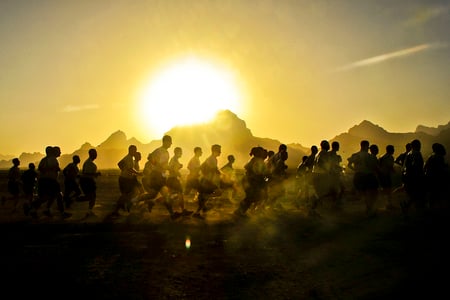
(434,131)
(117,140)
(366,129)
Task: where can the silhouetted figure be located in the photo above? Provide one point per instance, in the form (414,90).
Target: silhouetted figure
(138,186)
(437,175)
(277,167)
(14,184)
(374,150)
(386,170)
(309,192)
(414,179)
(146,173)
(258,203)
(229,182)
(157,184)
(268,160)
(336,183)
(400,160)
(88,183)
(364,180)
(301,168)
(228,167)
(192,179)
(29,181)
(209,180)
(127,180)
(262,202)
(321,176)
(174,181)
(374,166)
(301,183)
(71,185)
(256,173)
(49,189)
(311,158)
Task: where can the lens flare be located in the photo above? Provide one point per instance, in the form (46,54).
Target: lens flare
(187,243)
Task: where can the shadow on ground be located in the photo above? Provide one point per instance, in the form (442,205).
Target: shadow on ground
(277,255)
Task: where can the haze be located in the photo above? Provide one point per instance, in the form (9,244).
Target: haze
(71,71)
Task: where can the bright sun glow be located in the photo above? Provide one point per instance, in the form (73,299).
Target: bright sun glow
(188,92)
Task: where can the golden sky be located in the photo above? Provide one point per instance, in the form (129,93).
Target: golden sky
(74,71)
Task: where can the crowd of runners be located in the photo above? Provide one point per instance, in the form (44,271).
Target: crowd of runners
(319,175)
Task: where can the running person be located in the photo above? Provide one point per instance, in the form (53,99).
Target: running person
(71,185)
(277,167)
(364,179)
(337,185)
(174,181)
(209,180)
(87,180)
(127,179)
(386,170)
(254,181)
(29,181)
(192,179)
(157,182)
(414,179)
(321,176)
(229,178)
(49,189)
(14,184)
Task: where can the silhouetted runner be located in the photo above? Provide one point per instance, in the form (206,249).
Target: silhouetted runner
(386,171)
(437,173)
(71,185)
(87,181)
(414,179)
(174,181)
(192,179)
(14,184)
(127,180)
(254,181)
(364,179)
(49,189)
(209,180)
(29,181)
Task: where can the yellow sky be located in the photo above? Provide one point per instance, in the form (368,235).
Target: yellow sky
(72,71)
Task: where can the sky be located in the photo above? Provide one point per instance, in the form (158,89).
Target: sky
(302,71)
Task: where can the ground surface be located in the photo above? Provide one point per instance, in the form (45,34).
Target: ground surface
(273,255)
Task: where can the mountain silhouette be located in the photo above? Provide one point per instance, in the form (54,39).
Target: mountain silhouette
(375,134)
(232,133)
(225,129)
(367,128)
(435,131)
(114,141)
(6,157)
(444,138)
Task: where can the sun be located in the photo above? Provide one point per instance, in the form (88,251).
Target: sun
(189,91)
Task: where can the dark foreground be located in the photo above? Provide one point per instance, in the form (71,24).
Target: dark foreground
(274,255)
(284,256)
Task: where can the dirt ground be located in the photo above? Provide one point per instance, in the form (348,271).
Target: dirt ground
(281,254)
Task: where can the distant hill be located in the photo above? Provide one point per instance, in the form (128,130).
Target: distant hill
(25,159)
(375,134)
(434,131)
(234,136)
(228,130)
(6,157)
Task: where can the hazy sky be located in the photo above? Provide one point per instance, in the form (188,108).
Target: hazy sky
(72,71)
